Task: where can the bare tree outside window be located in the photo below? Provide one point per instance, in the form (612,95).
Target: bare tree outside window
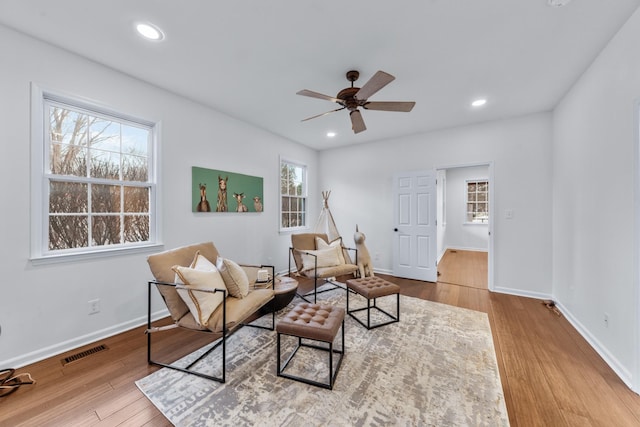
(293,195)
(478,201)
(98,179)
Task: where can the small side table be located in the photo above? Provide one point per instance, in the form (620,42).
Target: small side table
(285,290)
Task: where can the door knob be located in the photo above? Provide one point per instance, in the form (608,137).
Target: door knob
(395,229)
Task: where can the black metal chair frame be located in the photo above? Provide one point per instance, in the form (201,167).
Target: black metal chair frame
(219,342)
(333,373)
(369,307)
(315,292)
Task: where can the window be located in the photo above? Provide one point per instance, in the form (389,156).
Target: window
(293,195)
(96,175)
(478,201)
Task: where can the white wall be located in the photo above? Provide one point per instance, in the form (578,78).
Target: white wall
(458,233)
(592,228)
(595,234)
(43,309)
(360,179)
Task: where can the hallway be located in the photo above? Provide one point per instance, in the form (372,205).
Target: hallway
(465,268)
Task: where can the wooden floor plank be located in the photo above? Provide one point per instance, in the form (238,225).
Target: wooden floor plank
(549,373)
(465,268)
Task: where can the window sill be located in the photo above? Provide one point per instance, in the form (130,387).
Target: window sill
(293,230)
(97,254)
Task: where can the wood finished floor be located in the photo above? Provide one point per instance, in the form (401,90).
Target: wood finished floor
(473,274)
(550,375)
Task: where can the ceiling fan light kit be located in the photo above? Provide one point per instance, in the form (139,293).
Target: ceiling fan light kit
(351,98)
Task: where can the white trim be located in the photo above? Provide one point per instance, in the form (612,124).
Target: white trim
(490,165)
(97,254)
(521,293)
(613,363)
(57,349)
(635,381)
(39,252)
(609,359)
(305,168)
(466,201)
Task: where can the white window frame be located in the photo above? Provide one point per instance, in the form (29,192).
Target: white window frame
(305,195)
(40,178)
(466,201)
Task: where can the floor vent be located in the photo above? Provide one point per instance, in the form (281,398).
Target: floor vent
(83,354)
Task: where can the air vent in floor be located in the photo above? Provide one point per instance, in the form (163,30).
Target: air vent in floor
(83,354)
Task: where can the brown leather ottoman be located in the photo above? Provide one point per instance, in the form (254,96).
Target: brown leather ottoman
(372,288)
(314,322)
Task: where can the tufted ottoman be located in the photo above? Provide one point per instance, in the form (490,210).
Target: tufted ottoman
(314,322)
(372,288)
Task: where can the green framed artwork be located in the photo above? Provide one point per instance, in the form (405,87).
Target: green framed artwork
(220,191)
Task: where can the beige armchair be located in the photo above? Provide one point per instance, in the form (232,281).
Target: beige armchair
(313,259)
(226,318)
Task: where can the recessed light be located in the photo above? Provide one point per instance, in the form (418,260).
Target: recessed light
(149,31)
(479,102)
(331,134)
(557,3)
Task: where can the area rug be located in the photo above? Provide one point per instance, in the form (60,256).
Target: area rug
(436,367)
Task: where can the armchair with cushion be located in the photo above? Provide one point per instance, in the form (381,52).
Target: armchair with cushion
(207,293)
(316,258)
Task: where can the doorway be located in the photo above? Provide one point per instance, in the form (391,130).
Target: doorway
(464,226)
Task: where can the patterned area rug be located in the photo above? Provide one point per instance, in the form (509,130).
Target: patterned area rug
(436,367)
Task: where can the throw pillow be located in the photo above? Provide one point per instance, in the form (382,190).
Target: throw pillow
(321,244)
(325,258)
(200,262)
(201,304)
(235,278)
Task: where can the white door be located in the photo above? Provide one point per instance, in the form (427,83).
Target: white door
(415,234)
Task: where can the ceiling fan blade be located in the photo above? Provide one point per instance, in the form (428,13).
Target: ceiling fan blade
(375,83)
(313,94)
(404,107)
(357,123)
(323,114)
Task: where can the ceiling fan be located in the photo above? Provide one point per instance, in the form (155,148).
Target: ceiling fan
(353,97)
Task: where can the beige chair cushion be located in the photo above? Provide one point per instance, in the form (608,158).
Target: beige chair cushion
(201,304)
(161,267)
(304,242)
(329,257)
(326,272)
(234,276)
(322,244)
(238,310)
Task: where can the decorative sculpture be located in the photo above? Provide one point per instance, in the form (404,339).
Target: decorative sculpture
(364,259)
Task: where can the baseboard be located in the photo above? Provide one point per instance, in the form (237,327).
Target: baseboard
(521,293)
(54,350)
(609,359)
(602,351)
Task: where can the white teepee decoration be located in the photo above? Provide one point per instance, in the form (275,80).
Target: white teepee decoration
(325,223)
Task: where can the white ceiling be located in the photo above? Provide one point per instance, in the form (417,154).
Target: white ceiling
(248,58)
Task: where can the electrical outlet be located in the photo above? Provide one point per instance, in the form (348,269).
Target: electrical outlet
(94,306)
(606,320)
